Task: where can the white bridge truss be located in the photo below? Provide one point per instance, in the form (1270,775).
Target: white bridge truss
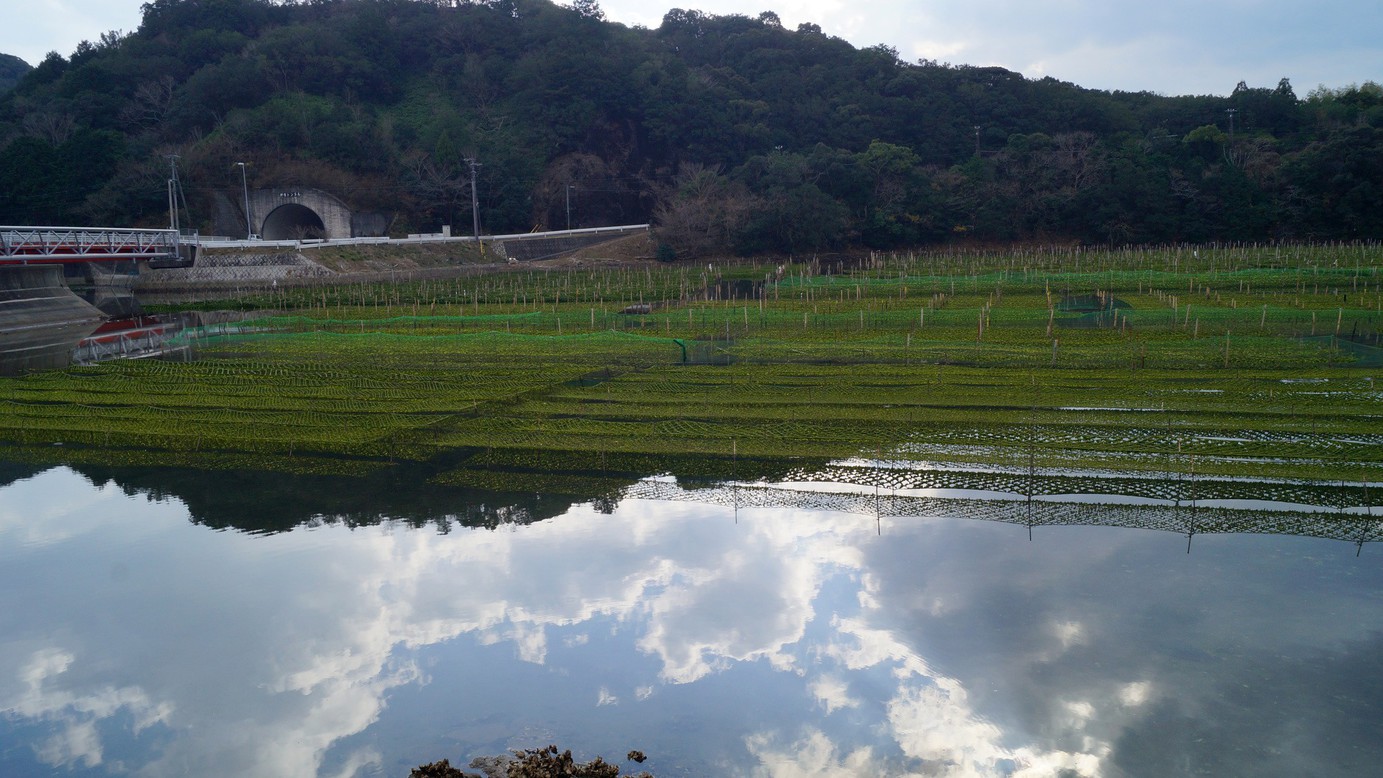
(48,245)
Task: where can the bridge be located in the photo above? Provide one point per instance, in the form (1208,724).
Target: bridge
(59,245)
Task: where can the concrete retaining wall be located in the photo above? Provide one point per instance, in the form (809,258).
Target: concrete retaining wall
(228,269)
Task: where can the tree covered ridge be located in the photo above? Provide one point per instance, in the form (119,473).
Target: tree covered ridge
(12,69)
(733,132)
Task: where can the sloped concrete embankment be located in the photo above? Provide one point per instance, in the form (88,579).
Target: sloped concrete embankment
(41,320)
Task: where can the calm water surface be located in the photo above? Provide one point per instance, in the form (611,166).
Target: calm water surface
(144,631)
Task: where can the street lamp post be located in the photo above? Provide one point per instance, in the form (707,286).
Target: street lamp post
(244,187)
(569,188)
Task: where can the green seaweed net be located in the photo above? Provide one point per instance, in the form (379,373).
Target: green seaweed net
(1230,363)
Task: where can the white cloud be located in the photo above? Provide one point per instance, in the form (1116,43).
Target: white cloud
(833,694)
(1070,633)
(1079,713)
(42,694)
(934,722)
(1136,693)
(811,756)
(76,743)
(363,762)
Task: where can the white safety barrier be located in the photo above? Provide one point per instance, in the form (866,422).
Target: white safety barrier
(218,243)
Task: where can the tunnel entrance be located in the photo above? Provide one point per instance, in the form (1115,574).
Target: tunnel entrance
(293,222)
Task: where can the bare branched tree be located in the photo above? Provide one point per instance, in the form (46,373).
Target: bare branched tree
(52,126)
(701,212)
(148,107)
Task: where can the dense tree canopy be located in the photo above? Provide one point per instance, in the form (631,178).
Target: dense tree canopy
(12,69)
(736,133)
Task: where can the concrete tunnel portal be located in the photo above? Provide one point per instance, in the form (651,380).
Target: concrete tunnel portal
(304,213)
(293,221)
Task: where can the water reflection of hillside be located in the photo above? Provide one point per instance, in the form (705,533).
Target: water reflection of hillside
(266,502)
(13,471)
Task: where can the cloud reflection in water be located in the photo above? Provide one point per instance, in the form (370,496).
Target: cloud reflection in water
(805,643)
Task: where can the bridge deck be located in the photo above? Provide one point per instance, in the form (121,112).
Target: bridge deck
(50,245)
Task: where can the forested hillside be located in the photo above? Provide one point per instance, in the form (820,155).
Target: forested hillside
(732,132)
(12,69)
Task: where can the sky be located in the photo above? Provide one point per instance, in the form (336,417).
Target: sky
(1171,47)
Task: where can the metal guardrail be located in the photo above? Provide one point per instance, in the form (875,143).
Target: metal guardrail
(47,245)
(213,243)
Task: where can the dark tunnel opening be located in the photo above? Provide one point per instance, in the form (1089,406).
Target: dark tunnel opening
(293,222)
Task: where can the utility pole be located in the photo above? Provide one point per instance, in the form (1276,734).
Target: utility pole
(475,199)
(1231,112)
(977,140)
(569,188)
(173,192)
(244,187)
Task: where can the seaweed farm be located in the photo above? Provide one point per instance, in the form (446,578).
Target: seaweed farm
(1236,363)
(1022,514)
